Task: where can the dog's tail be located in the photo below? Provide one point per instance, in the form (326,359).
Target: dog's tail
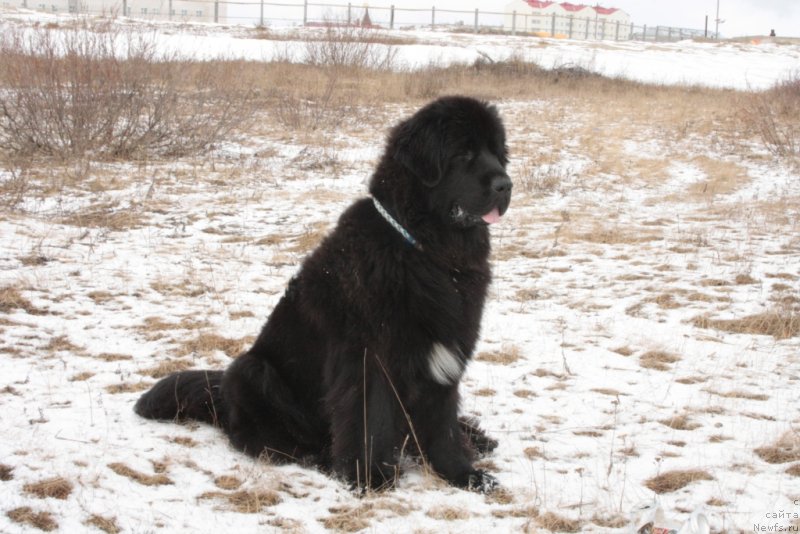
(185,395)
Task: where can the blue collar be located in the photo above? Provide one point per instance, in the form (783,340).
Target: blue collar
(396,225)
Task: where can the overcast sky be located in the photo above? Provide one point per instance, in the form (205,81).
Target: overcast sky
(742,17)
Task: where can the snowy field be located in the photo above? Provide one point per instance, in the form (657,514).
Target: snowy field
(639,324)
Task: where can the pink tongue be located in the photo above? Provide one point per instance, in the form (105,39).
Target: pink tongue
(492,217)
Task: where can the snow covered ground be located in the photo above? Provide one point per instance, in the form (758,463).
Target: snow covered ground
(605,360)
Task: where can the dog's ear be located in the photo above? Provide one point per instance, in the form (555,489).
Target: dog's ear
(419,146)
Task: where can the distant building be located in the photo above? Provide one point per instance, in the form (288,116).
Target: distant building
(179,10)
(566,20)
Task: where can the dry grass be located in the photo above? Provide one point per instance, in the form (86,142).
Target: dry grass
(680,422)
(25,515)
(658,360)
(81,377)
(533,453)
(106,524)
(227,482)
(349,518)
(11,299)
(612,521)
(785,449)
(623,351)
(166,367)
(738,394)
(448,513)
(123,470)
(722,177)
(186,441)
(675,480)
(56,488)
(92,99)
(245,501)
(793,470)
(6,472)
(127,387)
(774,116)
(504,356)
(778,323)
(206,344)
(555,523)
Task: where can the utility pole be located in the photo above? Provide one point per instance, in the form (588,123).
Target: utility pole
(718,21)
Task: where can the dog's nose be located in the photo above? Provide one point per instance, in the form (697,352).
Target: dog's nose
(501,183)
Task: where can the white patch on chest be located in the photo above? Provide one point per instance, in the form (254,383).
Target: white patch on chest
(446,367)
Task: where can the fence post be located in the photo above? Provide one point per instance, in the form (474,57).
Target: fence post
(391,17)
(655,39)
(476,20)
(514,22)
(124,7)
(261,17)
(305,12)
(348,13)
(169,14)
(644,33)
(553,26)
(433,17)
(603,30)
(586,37)
(216,11)
(616,32)
(669,33)
(571,22)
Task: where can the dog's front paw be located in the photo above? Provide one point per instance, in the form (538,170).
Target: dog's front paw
(482,482)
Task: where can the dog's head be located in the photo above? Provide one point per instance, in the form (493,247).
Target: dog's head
(455,151)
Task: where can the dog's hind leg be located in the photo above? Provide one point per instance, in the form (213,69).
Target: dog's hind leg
(263,417)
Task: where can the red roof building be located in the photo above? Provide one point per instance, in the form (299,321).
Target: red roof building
(566,20)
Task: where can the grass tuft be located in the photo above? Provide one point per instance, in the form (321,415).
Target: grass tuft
(25,515)
(56,488)
(227,482)
(785,449)
(504,356)
(106,524)
(675,480)
(556,523)
(246,501)
(448,513)
(778,323)
(680,422)
(658,360)
(6,472)
(137,476)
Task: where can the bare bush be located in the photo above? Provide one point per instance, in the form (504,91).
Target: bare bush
(775,115)
(98,90)
(350,46)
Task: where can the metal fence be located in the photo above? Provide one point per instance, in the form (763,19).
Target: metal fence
(264,13)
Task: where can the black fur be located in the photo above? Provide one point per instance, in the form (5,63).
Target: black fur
(340,376)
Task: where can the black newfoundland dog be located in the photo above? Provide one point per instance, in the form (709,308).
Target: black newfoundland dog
(361,359)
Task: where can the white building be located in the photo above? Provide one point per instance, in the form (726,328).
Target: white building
(179,10)
(566,20)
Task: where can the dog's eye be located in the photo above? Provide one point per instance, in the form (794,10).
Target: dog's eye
(467,156)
